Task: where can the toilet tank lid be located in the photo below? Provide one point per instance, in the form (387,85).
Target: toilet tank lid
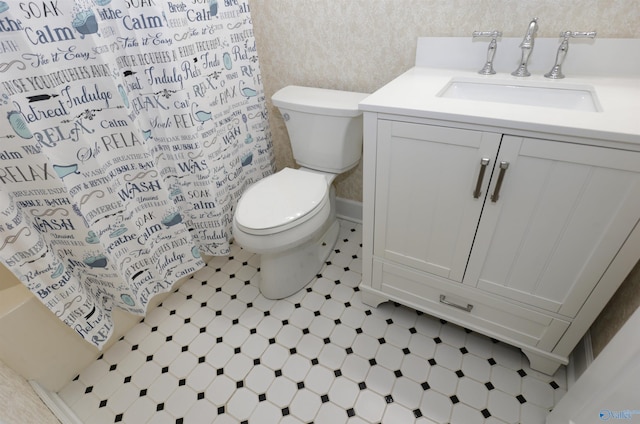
(319,100)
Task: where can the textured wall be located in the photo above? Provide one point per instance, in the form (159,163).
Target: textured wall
(360,45)
(18,402)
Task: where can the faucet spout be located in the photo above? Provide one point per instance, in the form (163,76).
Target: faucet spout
(527,47)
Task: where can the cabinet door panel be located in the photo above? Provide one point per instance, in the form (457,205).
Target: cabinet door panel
(426,214)
(563,213)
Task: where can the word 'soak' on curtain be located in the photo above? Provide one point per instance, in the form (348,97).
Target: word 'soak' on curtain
(131,128)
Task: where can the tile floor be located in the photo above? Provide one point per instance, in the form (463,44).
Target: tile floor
(216,351)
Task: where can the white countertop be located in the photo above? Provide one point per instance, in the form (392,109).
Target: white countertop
(415,93)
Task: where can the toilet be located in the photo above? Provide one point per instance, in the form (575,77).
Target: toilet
(289,217)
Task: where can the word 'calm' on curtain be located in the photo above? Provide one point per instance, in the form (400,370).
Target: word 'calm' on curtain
(131,128)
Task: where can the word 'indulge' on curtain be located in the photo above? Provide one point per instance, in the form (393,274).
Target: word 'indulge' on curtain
(131,129)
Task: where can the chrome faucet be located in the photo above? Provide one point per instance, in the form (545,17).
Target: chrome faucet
(527,47)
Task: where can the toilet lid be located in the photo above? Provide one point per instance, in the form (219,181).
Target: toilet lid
(281,200)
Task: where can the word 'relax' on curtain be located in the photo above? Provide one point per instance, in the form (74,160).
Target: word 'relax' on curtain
(131,129)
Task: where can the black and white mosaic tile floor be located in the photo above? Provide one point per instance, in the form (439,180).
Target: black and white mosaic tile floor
(216,351)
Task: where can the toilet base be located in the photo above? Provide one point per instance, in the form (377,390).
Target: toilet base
(283,274)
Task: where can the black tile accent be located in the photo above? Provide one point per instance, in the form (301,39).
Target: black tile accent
(438,340)
(285,322)
(267,313)
(489,385)
(160,407)
(324,398)
(201,359)
(347,304)
(305,331)
(219,340)
(381,340)
(454,399)
(134,347)
(398,373)
(346,268)
(337,373)
(236,350)
(118,418)
(300,385)
(78,376)
(522,373)
(220,371)
(368,312)
(220,410)
(253,331)
(359,330)
(154,328)
(297,306)
(203,329)
(443,322)
(182,382)
(262,397)
(149,358)
(337,321)
(315,361)
(491,361)
(187,320)
(389,321)
(413,330)
(245,263)
(362,385)
(250,305)
(554,385)
(351,412)
(185,348)
(417,413)
(349,351)
(203,305)
(372,361)
(485,413)
(316,313)
(464,350)
(285,411)
(425,386)
(89,389)
(256,361)
(459,373)
(406,351)
(388,399)
(272,340)
(521,399)
(239,384)
(172,312)
(432,362)
(165,370)
(318,275)
(309,289)
(103,403)
(179,420)
(200,395)
(327,340)
(235,321)
(113,367)
(293,351)
(168,338)
(127,379)
(278,373)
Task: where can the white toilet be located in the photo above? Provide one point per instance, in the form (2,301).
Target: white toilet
(289,217)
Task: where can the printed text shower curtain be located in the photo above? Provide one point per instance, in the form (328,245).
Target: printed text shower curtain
(128,131)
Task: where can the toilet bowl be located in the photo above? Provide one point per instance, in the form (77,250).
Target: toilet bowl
(289,217)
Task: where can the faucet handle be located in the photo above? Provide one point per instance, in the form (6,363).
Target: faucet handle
(487,69)
(556,71)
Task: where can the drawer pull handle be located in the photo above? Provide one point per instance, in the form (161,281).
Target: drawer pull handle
(496,192)
(483,167)
(443,299)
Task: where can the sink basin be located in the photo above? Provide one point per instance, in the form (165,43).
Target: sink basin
(564,97)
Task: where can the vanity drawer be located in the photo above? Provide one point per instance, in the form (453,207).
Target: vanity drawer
(469,307)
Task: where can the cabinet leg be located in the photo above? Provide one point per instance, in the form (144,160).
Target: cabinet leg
(371,298)
(541,363)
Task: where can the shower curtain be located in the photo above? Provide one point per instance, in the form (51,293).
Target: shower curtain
(128,131)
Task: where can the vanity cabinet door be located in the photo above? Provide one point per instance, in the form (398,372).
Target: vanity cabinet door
(426,213)
(563,212)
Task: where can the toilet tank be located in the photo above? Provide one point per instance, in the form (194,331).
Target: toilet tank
(324,126)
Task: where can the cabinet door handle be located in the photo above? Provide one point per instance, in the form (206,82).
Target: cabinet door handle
(443,300)
(496,191)
(483,167)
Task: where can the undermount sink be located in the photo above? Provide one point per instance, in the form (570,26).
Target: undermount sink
(581,98)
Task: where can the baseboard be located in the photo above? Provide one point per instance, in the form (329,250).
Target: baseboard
(349,209)
(580,359)
(55,403)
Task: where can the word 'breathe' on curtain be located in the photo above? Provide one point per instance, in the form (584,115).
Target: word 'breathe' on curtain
(131,130)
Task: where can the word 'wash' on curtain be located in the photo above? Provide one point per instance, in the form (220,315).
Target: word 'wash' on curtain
(131,128)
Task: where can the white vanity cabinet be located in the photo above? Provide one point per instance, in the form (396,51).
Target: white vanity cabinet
(510,235)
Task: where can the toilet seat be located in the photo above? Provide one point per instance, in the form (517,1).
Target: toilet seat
(281,201)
